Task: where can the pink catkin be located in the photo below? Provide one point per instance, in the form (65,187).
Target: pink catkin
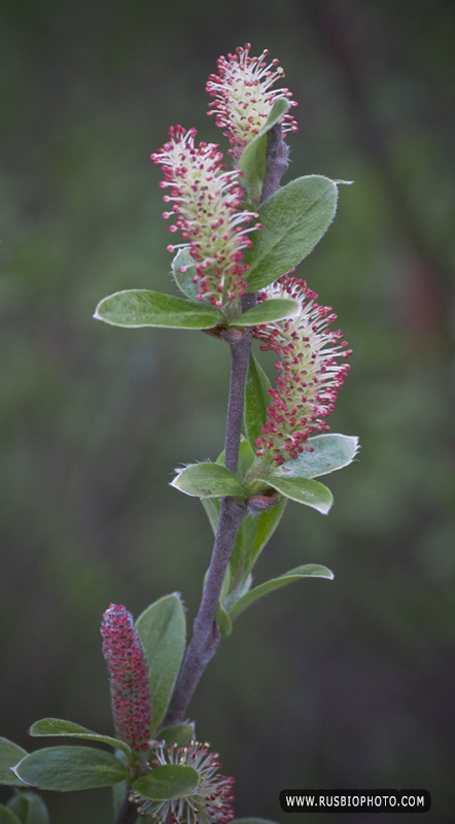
(206,204)
(311,370)
(130,691)
(244,98)
(212,800)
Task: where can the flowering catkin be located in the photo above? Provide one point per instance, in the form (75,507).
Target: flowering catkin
(206,204)
(211,801)
(244,98)
(309,371)
(130,691)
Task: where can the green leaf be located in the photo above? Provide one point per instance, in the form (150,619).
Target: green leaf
(246,458)
(330,452)
(70,768)
(257,399)
(29,808)
(162,630)
(141,307)
(302,490)
(305,571)
(118,795)
(268,311)
(184,280)
(238,562)
(180,734)
(8,817)
(267,523)
(236,592)
(253,161)
(120,789)
(254,533)
(226,585)
(294,219)
(167,781)
(212,509)
(19,805)
(223,621)
(69,729)
(207,480)
(10,754)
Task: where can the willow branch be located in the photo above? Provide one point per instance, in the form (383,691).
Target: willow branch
(206,637)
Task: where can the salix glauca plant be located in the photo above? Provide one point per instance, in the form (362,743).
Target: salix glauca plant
(242,235)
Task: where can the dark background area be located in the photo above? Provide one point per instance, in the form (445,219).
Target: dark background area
(325,684)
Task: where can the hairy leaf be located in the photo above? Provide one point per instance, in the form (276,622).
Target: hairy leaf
(212,510)
(304,491)
(70,768)
(134,308)
(10,754)
(119,791)
(245,459)
(29,808)
(69,729)
(268,311)
(162,630)
(267,523)
(184,280)
(294,219)
(167,781)
(254,533)
(257,400)
(330,452)
(180,734)
(305,571)
(223,621)
(207,480)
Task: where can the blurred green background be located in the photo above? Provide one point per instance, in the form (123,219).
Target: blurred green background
(326,684)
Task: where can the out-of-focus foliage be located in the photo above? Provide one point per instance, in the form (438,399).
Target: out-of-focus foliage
(347,683)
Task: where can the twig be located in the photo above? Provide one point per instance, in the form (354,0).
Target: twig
(205,634)
(128,812)
(277,161)
(205,638)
